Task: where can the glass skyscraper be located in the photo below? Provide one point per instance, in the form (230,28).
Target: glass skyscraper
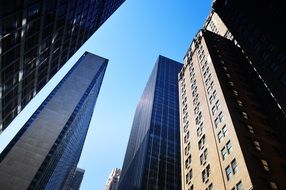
(45,152)
(74,182)
(37,37)
(152,159)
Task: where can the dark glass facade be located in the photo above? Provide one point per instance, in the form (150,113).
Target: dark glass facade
(45,152)
(75,180)
(37,37)
(257,27)
(152,159)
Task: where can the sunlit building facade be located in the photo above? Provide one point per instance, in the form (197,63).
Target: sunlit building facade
(36,40)
(152,159)
(232,129)
(45,152)
(113,180)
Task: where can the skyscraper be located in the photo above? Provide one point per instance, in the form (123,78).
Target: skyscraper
(152,159)
(46,150)
(36,40)
(113,180)
(232,129)
(75,180)
(256,25)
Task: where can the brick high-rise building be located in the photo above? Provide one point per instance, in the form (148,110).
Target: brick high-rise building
(152,159)
(36,40)
(232,130)
(45,152)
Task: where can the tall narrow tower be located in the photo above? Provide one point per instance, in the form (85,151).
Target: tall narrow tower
(152,159)
(45,152)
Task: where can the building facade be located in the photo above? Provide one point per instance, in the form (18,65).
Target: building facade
(216,25)
(36,40)
(113,180)
(256,25)
(152,159)
(76,179)
(231,127)
(45,152)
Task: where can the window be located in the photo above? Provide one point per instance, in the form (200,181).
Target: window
(210,88)
(239,186)
(239,103)
(186,127)
(194,93)
(229,147)
(196,110)
(226,150)
(273,185)
(265,165)
(257,145)
(216,122)
(206,173)
(228,172)
(200,131)
(210,187)
(186,138)
(196,100)
(235,92)
(220,116)
(192,70)
(188,161)
(234,166)
(185,118)
(199,118)
(217,104)
(244,115)
(215,107)
(224,130)
(187,149)
(211,99)
(203,157)
(201,142)
(231,169)
(218,119)
(250,129)
(220,136)
(214,110)
(224,153)
(214,94)
(189,176)
(208,80)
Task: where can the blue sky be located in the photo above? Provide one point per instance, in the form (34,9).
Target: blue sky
(132,38)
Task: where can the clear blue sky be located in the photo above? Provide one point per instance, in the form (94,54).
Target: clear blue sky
(132,38)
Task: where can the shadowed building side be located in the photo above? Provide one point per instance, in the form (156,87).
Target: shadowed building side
(256,26)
